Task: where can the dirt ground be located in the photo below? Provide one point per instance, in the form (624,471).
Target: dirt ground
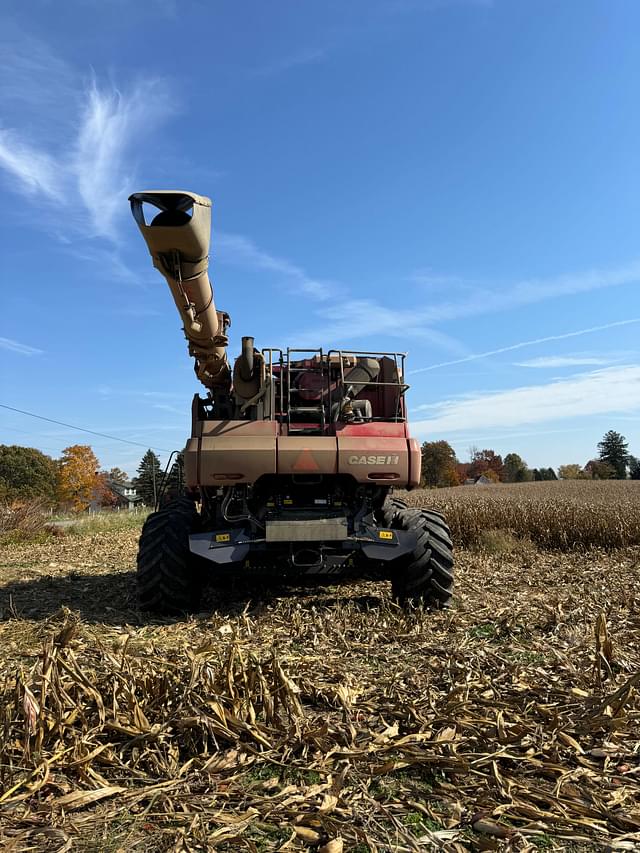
(308,718)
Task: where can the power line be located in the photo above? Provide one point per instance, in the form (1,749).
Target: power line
(82,429)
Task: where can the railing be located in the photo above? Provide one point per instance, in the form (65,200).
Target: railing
(282,367)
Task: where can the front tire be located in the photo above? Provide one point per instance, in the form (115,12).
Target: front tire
(426,574)
(167,578)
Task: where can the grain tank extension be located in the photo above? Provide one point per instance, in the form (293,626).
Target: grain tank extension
(293,453)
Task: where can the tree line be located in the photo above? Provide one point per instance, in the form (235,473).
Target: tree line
(76,481)
(441,467)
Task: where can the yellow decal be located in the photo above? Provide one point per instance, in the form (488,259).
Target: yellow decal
(287,502)
(223,537)
(385,534)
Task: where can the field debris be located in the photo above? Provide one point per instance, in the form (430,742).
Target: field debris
(320,719)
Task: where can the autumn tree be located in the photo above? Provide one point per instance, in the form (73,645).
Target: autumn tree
(462,471)
(613,451)
(149,479)
(572,471)
(483,461)
(104,494)
(490,475)
(117,475)
(78,479)
(439,464)
(598,470)
(26,473)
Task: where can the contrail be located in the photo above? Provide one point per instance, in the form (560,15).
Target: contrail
(523,344)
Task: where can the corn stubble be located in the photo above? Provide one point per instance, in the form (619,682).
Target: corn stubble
(324,719)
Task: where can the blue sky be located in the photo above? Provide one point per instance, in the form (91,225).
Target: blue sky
(459,179)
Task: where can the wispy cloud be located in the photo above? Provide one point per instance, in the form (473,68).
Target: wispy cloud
(237,250)
(553,361)
(75,160)
(530,292)
(607,391)
(352,319)
(529,343)
(303,56)
(16,346)
(349,319)
(35,171)
(111,122)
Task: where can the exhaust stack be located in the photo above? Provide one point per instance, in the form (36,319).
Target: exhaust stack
(178,239)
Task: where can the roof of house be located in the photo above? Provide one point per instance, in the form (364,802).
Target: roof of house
(119,489)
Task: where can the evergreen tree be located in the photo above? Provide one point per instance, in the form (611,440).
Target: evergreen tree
(174,486)
(613,451)
(634,468)
(149,479)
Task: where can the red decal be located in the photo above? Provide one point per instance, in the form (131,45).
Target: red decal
(305,462)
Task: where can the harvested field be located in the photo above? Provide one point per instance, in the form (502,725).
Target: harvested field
(323,718)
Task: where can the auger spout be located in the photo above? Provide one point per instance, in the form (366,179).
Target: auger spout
(178,238)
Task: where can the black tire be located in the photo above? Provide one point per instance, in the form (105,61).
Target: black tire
(167,578)
(391,507)
(425,575)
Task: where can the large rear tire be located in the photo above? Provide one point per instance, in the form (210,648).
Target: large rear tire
(425,575)
(167,578)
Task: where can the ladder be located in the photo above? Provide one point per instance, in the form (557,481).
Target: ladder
(306,417)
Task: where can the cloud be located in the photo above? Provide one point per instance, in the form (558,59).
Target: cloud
(36,171)
(111,122)
(304,56)
(352,319)
(607,391)
(16,346)
(551,361)
(530,343)
(69,147)
(237,250)
(530,292)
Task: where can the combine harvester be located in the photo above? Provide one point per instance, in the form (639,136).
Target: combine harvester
(293,453)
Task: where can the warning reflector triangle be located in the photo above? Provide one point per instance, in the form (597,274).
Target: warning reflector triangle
(305,462)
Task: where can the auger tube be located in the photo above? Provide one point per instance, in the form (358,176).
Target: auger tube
(178,239)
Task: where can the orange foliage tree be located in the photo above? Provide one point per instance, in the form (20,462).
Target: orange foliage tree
(78,480)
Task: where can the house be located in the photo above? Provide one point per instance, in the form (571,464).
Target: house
(126,495)
(478,481)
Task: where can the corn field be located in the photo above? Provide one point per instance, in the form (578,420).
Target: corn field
(562,515)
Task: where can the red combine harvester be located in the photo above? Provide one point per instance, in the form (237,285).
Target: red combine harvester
(293,453)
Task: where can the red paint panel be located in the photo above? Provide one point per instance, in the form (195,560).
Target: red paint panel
(372,430)
(415,463)
(297,454)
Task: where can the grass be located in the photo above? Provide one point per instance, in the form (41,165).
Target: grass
(289,718)
(89,523)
